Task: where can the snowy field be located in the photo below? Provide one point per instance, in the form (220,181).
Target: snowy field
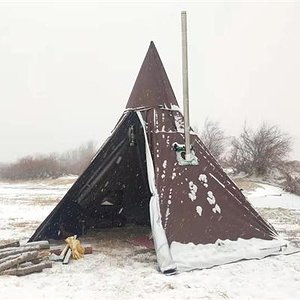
(119,270)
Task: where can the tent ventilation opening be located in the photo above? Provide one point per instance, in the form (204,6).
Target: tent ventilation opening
(181,155)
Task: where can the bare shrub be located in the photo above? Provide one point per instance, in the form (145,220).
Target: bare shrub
(75,161)
(50,166)
(32,168)
(213,138)
(257,152)
(292,184)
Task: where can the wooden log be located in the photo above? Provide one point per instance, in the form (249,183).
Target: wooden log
(88,249)
(43,255)
(58,254)
(56,250)
(67,257)
(18,250)
(7,258)
(18,260)
(42,244)
(10,245)
(28,269)
(64,252)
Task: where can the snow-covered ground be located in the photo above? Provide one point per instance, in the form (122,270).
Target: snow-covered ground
(119,270)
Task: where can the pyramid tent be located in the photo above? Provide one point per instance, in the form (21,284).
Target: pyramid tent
(199,218)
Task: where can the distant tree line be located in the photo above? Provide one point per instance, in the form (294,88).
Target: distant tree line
(254,152)
(50,166)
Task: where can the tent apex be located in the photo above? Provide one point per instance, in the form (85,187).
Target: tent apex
(152,87)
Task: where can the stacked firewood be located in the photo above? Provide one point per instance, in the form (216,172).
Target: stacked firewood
(16,259)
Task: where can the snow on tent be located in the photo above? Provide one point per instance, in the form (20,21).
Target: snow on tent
(199,217)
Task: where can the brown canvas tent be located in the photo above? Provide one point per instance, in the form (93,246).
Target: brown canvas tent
(199,217)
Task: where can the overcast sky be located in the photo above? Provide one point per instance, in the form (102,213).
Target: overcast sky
(67,67)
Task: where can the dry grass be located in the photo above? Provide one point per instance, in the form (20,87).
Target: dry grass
(285,221)
(68,180)
(44,201)
(246,184)
(63,180)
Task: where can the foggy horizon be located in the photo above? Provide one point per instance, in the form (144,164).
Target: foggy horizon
(67,69)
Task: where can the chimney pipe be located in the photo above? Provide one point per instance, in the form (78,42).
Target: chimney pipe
(185,82)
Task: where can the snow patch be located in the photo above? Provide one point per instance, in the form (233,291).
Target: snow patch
(203,179)
(164,164)
(199,210)
(175,107)
(273,197)
(211,198)
(216,209)
(193,191)
(179,123)
(167,213)
(168,140)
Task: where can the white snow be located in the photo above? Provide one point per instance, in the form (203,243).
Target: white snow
(167,214)
(203,179)
(199,210)
(273,197)
(164,164)
(216,209)
(179,123)
(193,191)
(124,271)
(211,198)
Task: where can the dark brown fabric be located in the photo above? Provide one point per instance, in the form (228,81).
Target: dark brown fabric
(152,87)
(236,218)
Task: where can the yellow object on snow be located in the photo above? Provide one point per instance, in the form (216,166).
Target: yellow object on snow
(74,244)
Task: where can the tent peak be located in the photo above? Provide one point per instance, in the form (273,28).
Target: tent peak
(152,87)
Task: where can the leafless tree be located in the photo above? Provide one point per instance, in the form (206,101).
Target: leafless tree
(258,151)
(213,138)
(292,184)
(75,161)
(50,166)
